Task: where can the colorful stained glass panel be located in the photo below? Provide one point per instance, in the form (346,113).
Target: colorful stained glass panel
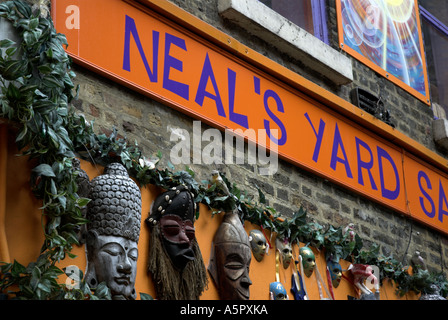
(386,36)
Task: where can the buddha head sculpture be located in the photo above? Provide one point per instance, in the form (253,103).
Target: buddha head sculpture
(175,258)
(285,249)
(258,244)
(114,215)
(335,272)
(230,259)
(308,260)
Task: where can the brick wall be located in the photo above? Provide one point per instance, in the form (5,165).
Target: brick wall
(139,118)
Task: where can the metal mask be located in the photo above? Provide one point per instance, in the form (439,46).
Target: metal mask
(285,250)
(277,291)
(175,211)
(230,259)
(335,272)
(258,244)
(308,260)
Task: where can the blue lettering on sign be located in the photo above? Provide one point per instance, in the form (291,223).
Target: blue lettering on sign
(319,136)
(363,164)
(272,94)
(337,144)
(431,213)
(387,193)
(442,202)
(424,184)
(237,118)
(131,29)
(207,74)
(339,155)
(178,88)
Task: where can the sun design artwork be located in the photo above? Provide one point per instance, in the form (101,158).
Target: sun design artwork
(386,33)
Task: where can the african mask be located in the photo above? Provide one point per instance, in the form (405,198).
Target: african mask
(308,260)
(175,212)
(230,259)
(257,244)
(114,215)
(277,291)
(175,258)
(285,249)
(335,272)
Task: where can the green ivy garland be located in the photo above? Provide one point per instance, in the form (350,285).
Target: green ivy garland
(36,91)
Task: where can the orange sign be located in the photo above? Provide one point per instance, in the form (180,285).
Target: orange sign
(138,48)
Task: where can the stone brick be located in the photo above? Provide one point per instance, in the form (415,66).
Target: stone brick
(283,210)
(94,111)
(306,191)
(264,186)
(281,178)
(283,194)
(328,200)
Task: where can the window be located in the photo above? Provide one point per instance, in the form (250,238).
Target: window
(309,15)
(312,49)
(435,35)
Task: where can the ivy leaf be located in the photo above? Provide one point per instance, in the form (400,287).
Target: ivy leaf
(33,23)
(44,170)
(145,296)
(6,43)
(261,196)
(24,9)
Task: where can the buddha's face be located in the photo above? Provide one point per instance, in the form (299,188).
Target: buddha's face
(115,263)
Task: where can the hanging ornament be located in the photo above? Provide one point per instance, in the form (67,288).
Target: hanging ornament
(175,262)
(361,273)
(284,247)
(297,284)
(308,260)
(230,259)
(276,289)
(320,284)
(335,272)
(258,244)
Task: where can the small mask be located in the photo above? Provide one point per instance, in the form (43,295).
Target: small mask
(277,291)
(285,250)
(257,244)
(335,272)
(308,260)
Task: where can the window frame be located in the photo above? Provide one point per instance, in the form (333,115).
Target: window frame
(441,27)
(265,23)
(320,20)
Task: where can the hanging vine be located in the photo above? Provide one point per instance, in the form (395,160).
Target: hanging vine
(36,91)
